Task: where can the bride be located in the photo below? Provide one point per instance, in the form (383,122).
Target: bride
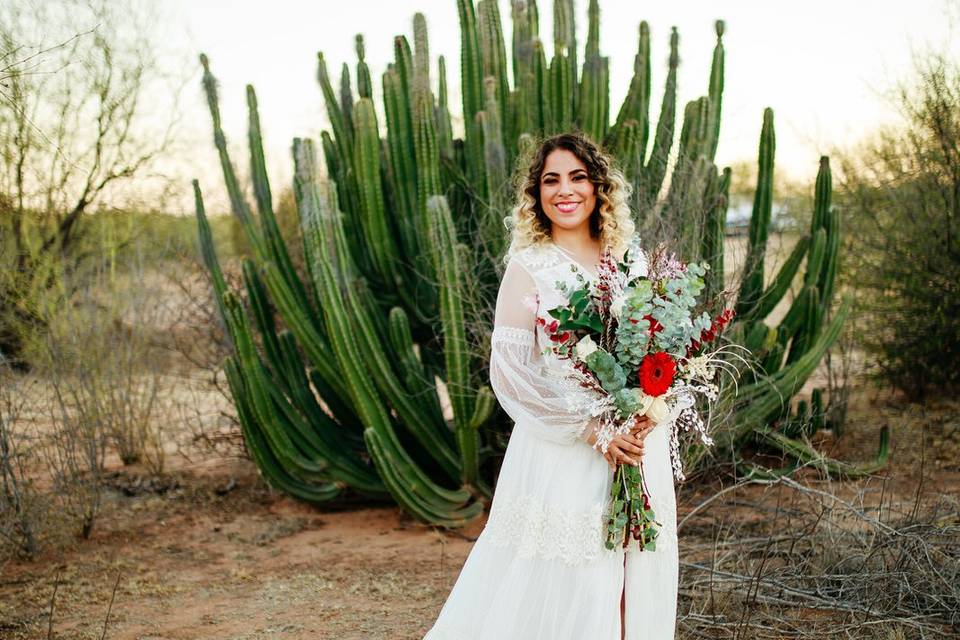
(539,569)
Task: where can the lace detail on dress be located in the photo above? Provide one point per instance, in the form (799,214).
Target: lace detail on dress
(513,335)
(536,257)
(547,531)
(666,538)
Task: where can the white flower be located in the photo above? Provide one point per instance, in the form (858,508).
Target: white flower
(616,306)
(700,367)
(658,410)
(643,400)
(585,347)
(638,266)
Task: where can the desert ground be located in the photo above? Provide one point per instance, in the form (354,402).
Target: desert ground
(209,551)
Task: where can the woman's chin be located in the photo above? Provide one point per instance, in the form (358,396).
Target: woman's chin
(569,222)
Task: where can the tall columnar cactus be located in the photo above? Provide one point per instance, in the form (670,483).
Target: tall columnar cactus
(335,370)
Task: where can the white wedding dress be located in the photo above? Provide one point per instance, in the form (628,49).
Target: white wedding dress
(539,569)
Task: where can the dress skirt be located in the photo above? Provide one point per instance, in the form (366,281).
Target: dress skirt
(539,570)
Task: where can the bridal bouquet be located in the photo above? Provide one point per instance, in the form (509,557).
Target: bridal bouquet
(640,336)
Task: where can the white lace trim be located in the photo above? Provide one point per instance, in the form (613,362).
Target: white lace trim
(667,538)
(550,532)
(536,257)
(513,335)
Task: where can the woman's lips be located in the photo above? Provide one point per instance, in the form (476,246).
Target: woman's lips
(567,207)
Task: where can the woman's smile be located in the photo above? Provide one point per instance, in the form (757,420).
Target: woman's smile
(567,206)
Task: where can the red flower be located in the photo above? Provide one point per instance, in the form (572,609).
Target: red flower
(654,325)
(656,373)
(716,327)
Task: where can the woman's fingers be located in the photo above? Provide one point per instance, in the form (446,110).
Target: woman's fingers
(621,455)
(640,435)
(646,425)
(634,440)
(608,456)
(631,444)
(625,449)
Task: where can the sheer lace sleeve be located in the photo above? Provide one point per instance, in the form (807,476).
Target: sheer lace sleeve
(554,411)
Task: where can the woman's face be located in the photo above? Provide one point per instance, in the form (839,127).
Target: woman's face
(566,194)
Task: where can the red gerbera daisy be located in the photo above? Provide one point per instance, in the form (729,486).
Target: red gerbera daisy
(656,373)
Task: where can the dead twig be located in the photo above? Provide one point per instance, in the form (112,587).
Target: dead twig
(110,607)
(53,598)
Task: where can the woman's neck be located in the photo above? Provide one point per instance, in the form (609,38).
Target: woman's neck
(578,241)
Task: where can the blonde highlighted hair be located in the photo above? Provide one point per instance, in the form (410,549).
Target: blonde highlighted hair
(610,220)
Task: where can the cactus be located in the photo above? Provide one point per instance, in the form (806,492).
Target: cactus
(334,369)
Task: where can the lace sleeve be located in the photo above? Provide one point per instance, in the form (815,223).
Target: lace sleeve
(553,410)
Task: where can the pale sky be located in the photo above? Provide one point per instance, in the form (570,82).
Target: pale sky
(821,65)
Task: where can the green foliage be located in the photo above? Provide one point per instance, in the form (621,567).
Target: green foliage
(671,311)
(580,314)
(633,332)
(609,372)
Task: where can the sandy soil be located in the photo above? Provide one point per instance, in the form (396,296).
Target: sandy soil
(247,564)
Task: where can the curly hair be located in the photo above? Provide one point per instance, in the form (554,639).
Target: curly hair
(610,220)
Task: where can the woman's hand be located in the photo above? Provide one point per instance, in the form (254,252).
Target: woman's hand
(621,447)
(642,426)
(624,449)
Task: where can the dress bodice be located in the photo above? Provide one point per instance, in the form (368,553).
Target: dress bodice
(550,268)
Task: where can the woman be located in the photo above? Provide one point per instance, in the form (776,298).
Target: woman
(539,569)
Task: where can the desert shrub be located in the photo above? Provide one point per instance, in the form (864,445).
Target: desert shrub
(23,508)
(901,197)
